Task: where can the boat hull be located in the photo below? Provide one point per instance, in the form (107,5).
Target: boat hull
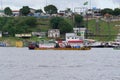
(82,48)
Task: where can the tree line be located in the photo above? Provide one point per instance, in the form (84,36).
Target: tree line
(16,25)
(52,9)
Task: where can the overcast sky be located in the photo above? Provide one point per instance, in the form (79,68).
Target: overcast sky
(60,4)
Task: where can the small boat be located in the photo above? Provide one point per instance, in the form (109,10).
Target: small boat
(102,45)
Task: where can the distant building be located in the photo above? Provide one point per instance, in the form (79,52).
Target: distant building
(32,10)
(73,39)
(16,12)
(39,34)
(2,13)
(54,33)
(23,35)
(80,31)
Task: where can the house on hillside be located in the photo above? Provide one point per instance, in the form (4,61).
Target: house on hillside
(15,12)
(54,33)
(39,34)
(80,32)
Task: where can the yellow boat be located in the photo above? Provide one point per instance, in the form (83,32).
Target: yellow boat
(82,48)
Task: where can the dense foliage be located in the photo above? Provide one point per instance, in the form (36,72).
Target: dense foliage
(17,25)
(78,20)
(8,11)
(25,10)
(114,12)
(62,24)
(50,9)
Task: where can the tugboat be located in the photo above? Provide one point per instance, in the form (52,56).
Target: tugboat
(33,45)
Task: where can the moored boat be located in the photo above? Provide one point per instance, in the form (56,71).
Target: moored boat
(82,48)
(35,47)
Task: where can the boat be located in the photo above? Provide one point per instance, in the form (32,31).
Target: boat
(34,46)
(82,48)
(102,45)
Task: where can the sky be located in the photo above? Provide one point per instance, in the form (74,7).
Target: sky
(60,4)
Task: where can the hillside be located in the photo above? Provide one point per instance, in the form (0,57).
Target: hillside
(108,31)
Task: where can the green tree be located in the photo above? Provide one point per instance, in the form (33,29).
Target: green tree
(8,11)
(78,20)
(65,27)
(3,21)
(9,26)
(116,12)
(55,21)
(50,9)
(62,24)
(25,10)
(39,10)
(106,11)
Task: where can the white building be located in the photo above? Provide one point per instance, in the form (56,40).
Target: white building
(16,12)
(54,33)
(73,37)
(81,31)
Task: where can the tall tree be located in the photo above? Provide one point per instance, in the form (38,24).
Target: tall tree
(65,27)
(116,12)
(50,9)
(55,21)
(8,11)
(78,20)
(25,10)
(39,10)
(62,24)
(107,11)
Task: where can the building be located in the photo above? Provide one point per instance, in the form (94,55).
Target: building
(2,13)
(23,35)
(80,32)
(39,34)
(16,12)
(54,33)
(74,40)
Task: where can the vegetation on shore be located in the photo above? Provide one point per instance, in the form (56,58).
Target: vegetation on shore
(30,24)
